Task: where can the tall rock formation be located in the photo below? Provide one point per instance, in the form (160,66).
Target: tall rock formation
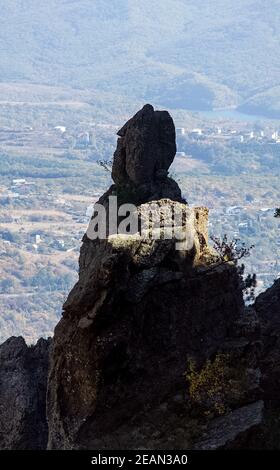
(23,383)
(139,313)
(146,148)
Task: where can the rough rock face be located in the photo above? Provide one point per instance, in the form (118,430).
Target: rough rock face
(23,380)
(145,150)
(137,313)
(231,431)
(267,307)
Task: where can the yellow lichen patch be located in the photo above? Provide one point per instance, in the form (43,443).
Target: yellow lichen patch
(217,385)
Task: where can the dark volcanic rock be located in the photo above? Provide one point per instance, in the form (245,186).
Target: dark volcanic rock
(146,147)
(266,311)
(145,150)
(267,307)
(139,310)
(23,380)
(134,361)
(233,430)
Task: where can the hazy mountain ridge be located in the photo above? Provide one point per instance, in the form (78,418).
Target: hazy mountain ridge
(223,49)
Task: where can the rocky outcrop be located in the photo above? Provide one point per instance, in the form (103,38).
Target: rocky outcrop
(267,307)
(141,309)
(232,430)
(145,150)
(23,380)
